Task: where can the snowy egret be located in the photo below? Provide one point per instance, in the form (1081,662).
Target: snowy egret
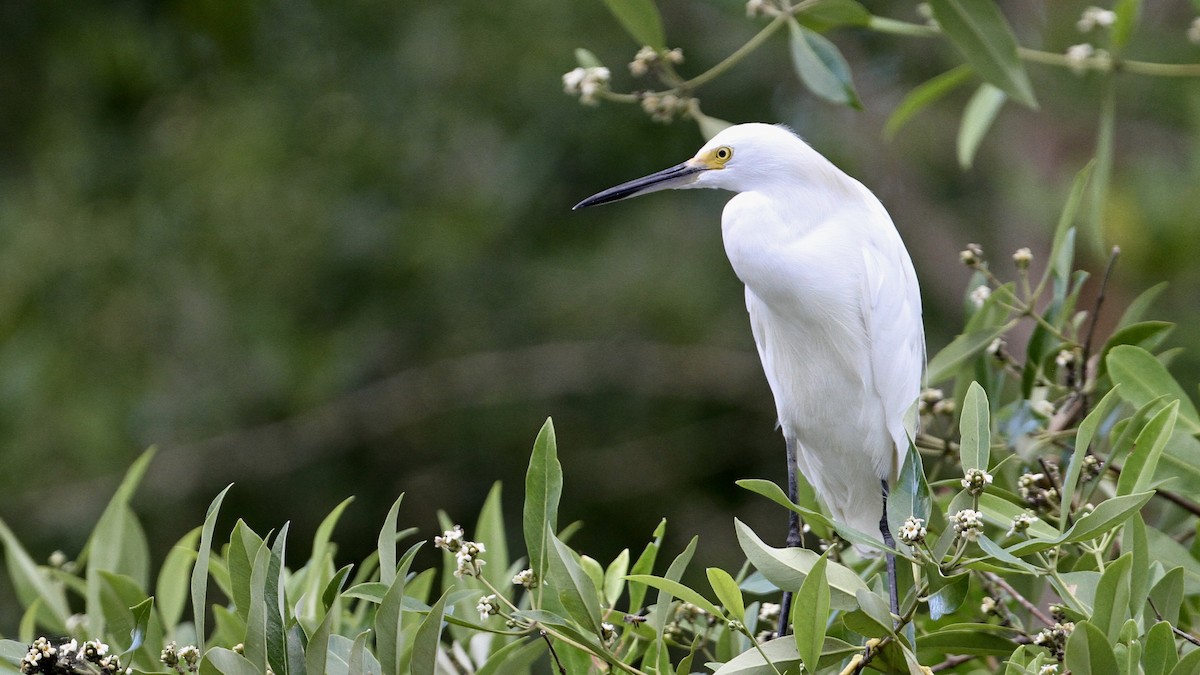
(834,307)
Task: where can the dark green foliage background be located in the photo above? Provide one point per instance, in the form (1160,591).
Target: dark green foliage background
(325,249)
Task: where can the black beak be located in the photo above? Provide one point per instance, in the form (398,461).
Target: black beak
(676,176)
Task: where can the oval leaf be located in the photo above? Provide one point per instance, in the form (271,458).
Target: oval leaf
(983,36)
(641,20)
(821,66)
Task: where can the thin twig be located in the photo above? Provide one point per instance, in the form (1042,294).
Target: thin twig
(1082,382)
(952,661)
(1022,600)
(1183,634)
(553,654)
(1187,505)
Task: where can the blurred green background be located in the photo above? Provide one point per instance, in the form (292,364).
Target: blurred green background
(323,249)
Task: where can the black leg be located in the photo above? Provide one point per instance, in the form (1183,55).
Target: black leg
(793,535)
(886,531)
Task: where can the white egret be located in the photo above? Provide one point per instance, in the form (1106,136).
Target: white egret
(834,307)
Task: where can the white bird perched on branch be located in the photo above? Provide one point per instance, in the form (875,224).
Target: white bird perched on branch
(835,310)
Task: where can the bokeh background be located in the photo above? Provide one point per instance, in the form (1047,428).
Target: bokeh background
(323,249)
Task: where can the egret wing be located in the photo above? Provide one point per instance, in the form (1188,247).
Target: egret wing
(892,316)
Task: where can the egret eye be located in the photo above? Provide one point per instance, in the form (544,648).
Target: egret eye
(723,153)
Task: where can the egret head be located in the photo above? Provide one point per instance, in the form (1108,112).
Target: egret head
(740,158)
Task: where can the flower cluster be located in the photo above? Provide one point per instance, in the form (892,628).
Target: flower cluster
(1048,669)
(968,524)
(1037,490)
(1022,257)
(768,612)
(1092,466)
(972,255)
(988,605)
(69,657)
(1095,16)
(648,57)
(1193,31)
(185,660)
(586,83)
(980,295)
(608,632)
(1021,522)
(525,578)
(913,531)
(976,480)
(465,552)
(1054,638)
(934,401)
(487,606)
(664,107)
(1043,408)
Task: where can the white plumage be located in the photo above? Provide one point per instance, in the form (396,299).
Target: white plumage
(833,301)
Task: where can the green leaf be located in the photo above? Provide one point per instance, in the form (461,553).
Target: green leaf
(1136,541)
(947,599)
(1111,609)
(811,614)
(645,565)
(389,635)
(821,66)
(359,658)
(13,651)
(662,607)
(243,546)
(709,126)
(513,658)
(977,118)
(221,661)
(773,492)
(200,569)
(575,589)
(31,582)
(1098,193)
(923,95)
(1145,334)
(1083,439)
(172,587)
(1127,12)
(1168,594)
(141,620)
(387,543)
(1138,473)
(788,567)
(543,489)
(826,14)
(981,642)
(274,600)
(1143,378)
(1141,304)
(727,592)
(1109,513)
(614,578)
(117,544)
(1188,665)
(680,591)
(641,20)
(967,346)
(983,36)
(489,529)
(975,428)
(1159,656)
(1089,652)
(425,643)
(586,59)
